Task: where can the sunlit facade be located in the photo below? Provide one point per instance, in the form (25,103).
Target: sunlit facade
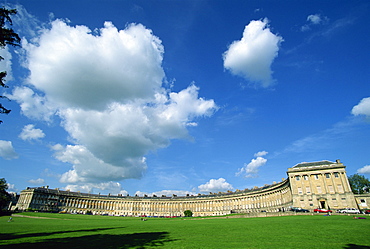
(309,185)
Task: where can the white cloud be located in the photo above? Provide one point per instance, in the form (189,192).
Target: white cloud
(260,153)
(38,181)
(12,188)
(108,187)
(315,19)
(362,108)
(215,185)
(78,69)
(364,170)
(24,23)
(251,169)
(7,151)
(135,129)
(252,56)
(30,133)
(6,63)
(113,112)
(166,193)
(32,104)
(89,169)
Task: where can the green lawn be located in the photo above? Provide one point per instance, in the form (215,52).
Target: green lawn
(85,231)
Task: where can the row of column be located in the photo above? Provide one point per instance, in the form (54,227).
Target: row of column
(273,200)
(324,181)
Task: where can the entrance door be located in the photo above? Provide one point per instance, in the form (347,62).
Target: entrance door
(322,203)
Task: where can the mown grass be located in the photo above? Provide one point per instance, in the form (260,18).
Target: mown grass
(84,231)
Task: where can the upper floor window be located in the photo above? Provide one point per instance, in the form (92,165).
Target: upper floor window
(336,175)
(297,178)
(300,191)
(319,189)
(327,175)
(316,177)
(305,177)
(331,188)
(308,190)
(340,188)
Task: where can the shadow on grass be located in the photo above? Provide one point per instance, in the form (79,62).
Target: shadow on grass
(353,246)
(135,240)
(10,236)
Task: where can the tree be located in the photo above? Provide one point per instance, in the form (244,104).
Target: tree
(7,37)
(5,197)
(188,213)
(359,184)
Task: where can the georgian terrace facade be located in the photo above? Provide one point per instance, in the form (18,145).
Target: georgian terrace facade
(307,186)
(269,198)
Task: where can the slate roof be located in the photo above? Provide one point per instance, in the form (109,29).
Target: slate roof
(313,164)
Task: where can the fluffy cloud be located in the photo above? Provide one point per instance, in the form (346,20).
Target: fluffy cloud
(252,56)
(109,187)
(12,188)
(7,151)
(106,88)
(134,129)
(363,108)
(89,169)
(364,170)
(38,181)
(78,69)
(260,153)
(215,186)
(251,169)
(30,133)
(33,105)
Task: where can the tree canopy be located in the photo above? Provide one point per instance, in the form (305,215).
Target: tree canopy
(359,184)
(7,37)
(4,195)
(188,213)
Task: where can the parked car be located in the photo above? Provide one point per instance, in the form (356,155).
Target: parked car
(297,209)
(366,211)
(349,211)
(322,210)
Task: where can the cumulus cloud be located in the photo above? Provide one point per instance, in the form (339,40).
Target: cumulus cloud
(114,112)
(89,169)
(77,69)
(109,187)
(362,108)
(38,181)
(106,88)
(29,132)
(251,169)
(215,185)
(7,151)
(33,105)
(364,170)
(252,56)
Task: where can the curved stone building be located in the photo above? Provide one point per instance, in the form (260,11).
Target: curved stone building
(321,184)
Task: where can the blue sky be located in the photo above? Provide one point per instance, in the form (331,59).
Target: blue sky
(184,97)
